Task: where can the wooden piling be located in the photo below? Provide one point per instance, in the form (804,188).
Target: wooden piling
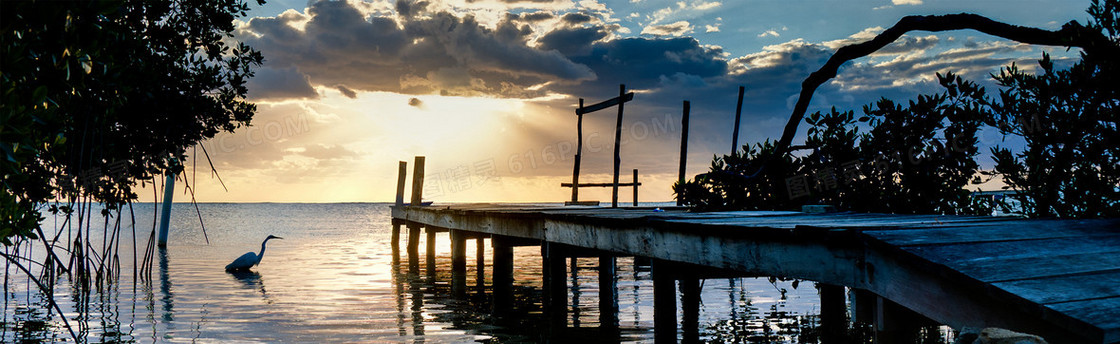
(458,263)
(617,145)
(834,322)
(738,114)
(417,182)
(684,148)
(480,262)
(503,274)
(690,309)
(396,241)
(402,174)
(413,248)
(608,292)
(636,187)
(555,271)
(664,302)
(430,257)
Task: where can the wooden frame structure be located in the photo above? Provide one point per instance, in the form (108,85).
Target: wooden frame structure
(622,98)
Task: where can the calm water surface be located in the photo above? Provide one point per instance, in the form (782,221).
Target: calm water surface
(332,279)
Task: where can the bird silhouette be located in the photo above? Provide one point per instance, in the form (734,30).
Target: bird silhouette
(249,259)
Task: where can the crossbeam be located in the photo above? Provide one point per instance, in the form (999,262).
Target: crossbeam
(605,104)
(599,185)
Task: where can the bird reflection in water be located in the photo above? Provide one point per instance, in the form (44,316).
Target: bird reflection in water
(252,280)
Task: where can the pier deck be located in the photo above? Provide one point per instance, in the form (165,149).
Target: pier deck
(1055,278)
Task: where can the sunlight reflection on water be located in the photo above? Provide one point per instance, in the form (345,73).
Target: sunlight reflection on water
(332,279)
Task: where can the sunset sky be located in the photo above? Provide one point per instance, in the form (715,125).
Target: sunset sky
(486,89)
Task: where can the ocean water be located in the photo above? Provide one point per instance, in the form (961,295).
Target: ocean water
(332,279)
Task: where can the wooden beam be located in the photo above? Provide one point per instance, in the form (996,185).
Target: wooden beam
(636,184)
(738,114)
(579,152)
(417,181)
(684,146)
(617,146)
(402,174)
(599,185)
(606,103)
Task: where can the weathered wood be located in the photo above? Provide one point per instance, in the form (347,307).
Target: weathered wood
(599,185)
(664,303)
(430,256)
(684,145)
(402,173)
(690,310)
(418,181)
(931,278)
(579,152)
(1080,287)
(608,293)
(636,184)
(622,98)
(503,274)
(738,114)
(618,145)
(834,322)
(1104,313)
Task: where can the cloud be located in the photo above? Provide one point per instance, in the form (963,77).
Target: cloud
(769,33)
(711,28)
(346,91)
(412,53)
(906,2)
(415,102)
(273,83)
(677,29)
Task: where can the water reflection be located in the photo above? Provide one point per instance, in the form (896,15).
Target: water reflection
(371,295)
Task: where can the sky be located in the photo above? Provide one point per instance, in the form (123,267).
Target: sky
(486,89)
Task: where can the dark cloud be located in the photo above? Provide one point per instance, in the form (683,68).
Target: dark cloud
(416,102)
(576,18)
(535,16)
(346,91)
(280,83)
(409,8)
(572,42)
(438,52)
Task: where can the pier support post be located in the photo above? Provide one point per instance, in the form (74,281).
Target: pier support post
(690,309)
(664,302)
(430,256)
(503,274)
(896,324)
(834,322)
(413,248)
(555,286)
(458,263)
(608,293)
(863,309)
(480,263)
(396,241)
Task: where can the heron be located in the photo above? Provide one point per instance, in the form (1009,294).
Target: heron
(249,259)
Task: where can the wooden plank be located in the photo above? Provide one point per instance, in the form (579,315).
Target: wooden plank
(969,233)
(1079,287)
(606,104)
(952,253)
(998,269)
(1102,313)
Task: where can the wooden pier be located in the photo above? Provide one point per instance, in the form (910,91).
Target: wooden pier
(1059,279)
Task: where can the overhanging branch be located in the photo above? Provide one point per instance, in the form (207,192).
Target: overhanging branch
(1072,34)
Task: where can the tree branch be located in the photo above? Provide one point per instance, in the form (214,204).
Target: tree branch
(1072,34)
